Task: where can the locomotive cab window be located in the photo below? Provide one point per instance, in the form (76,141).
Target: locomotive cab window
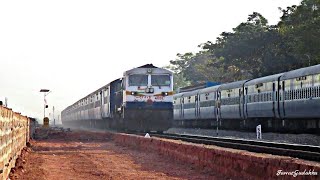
(138,80)
(160,80)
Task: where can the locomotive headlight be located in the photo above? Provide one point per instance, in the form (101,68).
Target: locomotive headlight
(164,93)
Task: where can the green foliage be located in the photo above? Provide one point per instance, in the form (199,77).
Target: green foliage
(255,48)
(178,78)
(300,26)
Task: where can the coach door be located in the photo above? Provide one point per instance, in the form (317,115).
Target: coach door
(275,106)
(280,98)
(181,107)
(241,102)
(218,104)
(245,102)
(101,102)
(197,106)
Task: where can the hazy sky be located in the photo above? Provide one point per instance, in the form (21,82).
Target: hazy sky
(75,47)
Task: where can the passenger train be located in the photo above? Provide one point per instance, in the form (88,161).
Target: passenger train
(142,100)
(288,101)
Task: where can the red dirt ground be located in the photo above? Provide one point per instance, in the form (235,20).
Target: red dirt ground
(93,155)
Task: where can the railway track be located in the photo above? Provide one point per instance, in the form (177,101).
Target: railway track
(293,150)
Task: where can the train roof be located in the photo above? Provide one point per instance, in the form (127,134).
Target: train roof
(184,94)
(301,72)
(198,86)
(190,93)
(147,68)
(209,89)
(232,85)
(178,95)
(270,78)
(103,87)
(94,92)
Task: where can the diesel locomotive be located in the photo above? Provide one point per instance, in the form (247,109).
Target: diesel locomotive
(142,100)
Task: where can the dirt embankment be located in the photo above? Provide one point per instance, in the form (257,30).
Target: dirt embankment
(92,155)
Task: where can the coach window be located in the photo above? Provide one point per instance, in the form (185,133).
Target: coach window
(266,97)
(289,95)
(306,92)
(138,80)
(286,95)
(160,80)
(295,94)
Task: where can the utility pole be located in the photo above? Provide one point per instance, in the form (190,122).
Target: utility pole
(6,102)
(54,120)
(45,93)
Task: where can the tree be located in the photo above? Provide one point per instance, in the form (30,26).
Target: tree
(187,64)
(300,26)
(256,49)
(179,79)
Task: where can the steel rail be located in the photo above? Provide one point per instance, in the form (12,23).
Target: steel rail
(283,149)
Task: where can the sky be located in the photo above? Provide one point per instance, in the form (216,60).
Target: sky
(74,47)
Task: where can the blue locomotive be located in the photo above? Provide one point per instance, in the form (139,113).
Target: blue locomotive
(142,100)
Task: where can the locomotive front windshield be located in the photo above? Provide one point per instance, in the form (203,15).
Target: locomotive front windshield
(160,80)
(138,80)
